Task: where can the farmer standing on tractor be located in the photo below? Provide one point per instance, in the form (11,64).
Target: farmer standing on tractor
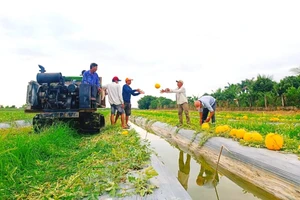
(92,78)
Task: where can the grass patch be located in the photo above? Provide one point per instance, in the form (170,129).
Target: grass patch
(9,115)
(59,163)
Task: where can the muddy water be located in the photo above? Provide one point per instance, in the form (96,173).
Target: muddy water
(196,175)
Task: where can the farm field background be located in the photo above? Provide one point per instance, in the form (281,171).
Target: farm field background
(29,162)
(285,123)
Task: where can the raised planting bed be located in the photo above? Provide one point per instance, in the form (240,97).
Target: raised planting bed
(275,172)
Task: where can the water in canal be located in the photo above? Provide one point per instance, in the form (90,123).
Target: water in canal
(196,175)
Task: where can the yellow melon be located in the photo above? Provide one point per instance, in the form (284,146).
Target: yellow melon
(245,117)
(157,85)
(257,137)
(219,129)
(240,133)
(205,126)
(125,133)
(247,136)
(253,136)
(233,132)
(274,119)
(222,129)
(274,141)
(226,128)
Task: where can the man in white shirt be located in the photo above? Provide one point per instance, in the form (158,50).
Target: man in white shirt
(115,100)
(181,100)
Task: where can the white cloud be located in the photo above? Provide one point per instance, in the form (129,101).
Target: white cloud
(205,43)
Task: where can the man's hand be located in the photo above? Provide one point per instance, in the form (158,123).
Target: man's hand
(99,89)
(207,119)
(165,90)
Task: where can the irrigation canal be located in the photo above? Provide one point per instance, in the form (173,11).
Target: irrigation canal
(196,175)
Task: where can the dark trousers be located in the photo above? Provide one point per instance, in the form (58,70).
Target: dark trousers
(205,114)
(94,91)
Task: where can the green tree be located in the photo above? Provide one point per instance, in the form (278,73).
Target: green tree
(263,87)
(154,104)
(246,96)
(145,102)
(285,84)
(220,97)
(293,96)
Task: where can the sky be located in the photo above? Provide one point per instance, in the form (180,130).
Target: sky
(207,44)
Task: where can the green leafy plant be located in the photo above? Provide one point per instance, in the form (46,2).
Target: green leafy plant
(141,182)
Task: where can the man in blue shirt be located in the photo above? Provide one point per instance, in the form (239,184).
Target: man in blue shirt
(126,93)
(92,78)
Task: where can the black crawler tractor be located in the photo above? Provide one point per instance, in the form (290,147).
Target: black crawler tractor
(59,98)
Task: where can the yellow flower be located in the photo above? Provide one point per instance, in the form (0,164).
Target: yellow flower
(299,147)
(274,141)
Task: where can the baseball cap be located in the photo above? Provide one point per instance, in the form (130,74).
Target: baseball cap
(115,79)
(181,81)
(128,79)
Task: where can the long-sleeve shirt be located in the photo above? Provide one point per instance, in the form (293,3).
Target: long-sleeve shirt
(180,95)
(114,93)
(91,78)
(127,92)
(207,102)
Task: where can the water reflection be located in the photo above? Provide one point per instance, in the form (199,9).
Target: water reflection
(207,175)
(229,186)
(184,169)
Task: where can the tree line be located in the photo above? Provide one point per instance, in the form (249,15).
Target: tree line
(261,91)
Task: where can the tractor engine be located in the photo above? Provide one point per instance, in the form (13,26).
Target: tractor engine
(51,92)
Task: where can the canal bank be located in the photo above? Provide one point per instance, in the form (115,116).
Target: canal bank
(276,173)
